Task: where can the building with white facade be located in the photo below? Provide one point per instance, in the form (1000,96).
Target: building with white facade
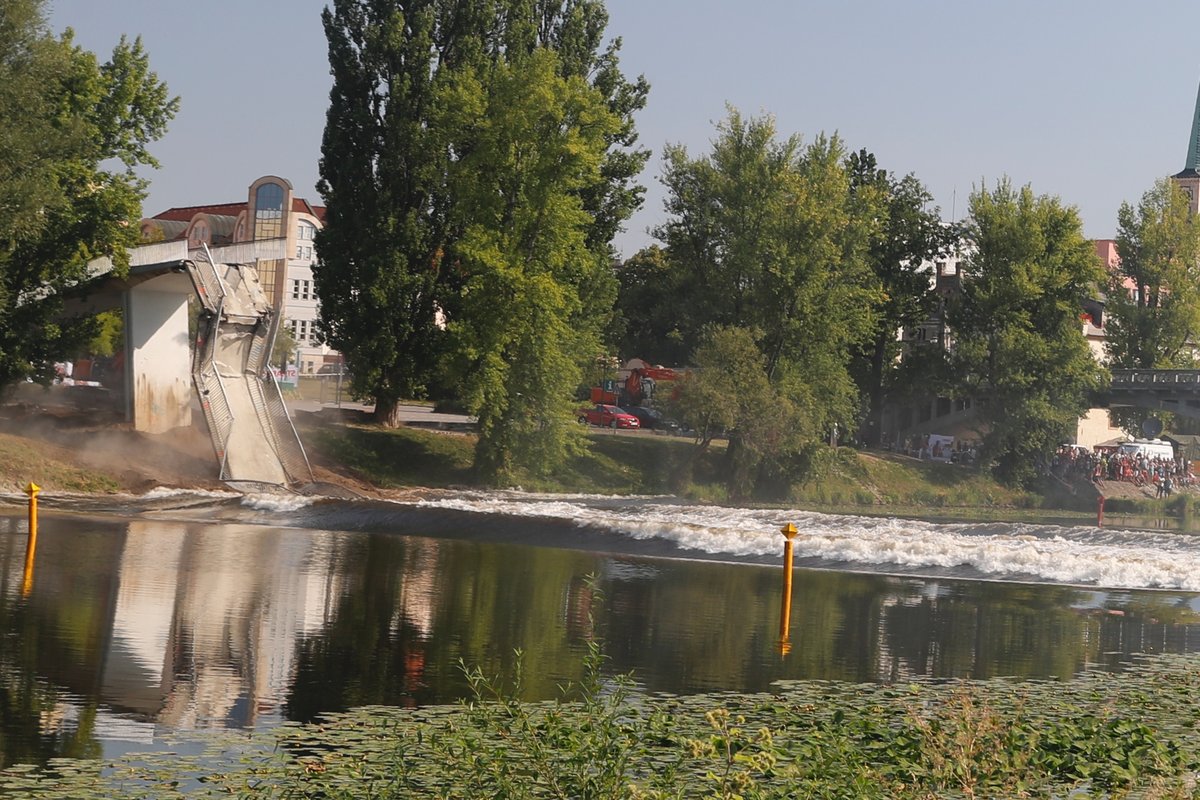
(270,211)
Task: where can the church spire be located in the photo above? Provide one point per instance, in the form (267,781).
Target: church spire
(1192,167)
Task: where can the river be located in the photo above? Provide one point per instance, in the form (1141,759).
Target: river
(180,611)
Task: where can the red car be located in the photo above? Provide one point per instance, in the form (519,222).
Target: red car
(607,416)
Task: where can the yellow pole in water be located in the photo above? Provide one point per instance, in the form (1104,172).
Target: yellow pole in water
(31,546)
(785,610)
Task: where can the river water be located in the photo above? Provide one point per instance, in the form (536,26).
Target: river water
(180,611)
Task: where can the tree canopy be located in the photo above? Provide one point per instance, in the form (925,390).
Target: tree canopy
(1153,303)
(1019,347)
(522,321)
(478,158)
(763,237)
(68,120)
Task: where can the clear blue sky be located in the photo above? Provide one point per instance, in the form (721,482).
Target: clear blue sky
(1090,101)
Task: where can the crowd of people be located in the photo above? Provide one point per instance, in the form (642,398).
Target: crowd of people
(1164,474)
(935,448)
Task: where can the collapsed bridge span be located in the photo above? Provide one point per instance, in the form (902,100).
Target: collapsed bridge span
(252,433)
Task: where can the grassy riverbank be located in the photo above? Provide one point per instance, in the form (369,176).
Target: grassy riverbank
(1101,735)
(69,454)
(645,463)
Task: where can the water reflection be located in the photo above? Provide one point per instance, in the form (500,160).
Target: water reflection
(135,628)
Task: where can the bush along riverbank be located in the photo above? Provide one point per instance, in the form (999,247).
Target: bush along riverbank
(1100,735)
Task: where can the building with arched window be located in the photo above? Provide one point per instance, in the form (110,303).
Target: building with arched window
(270,211)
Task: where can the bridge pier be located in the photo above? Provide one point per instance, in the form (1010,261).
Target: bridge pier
(158,379)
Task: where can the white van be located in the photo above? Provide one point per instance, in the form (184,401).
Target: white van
(1150,448)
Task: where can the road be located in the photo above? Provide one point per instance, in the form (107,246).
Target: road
(411,414)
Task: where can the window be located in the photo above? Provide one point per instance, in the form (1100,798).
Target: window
(268,224)
(306,231)
(268,211)
(301,329)
(302,290)
(200,233)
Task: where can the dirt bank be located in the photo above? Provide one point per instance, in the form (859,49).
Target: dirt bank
(63,449)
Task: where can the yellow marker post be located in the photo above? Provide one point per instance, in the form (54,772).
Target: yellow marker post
(785,611)
(31,545)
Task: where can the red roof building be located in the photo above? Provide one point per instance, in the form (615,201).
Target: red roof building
(270,211)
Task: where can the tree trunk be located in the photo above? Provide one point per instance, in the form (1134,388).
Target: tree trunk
(387,412)
(872,432)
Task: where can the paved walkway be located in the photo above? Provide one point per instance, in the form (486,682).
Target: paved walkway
(417,415)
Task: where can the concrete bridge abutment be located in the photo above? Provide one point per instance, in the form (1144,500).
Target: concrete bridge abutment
(158,379)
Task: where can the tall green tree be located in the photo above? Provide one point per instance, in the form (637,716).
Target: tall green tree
(383,180)
(389,276)
(1153,305)
(1018,341)
(762,237)
(536,141)
(906,234)
(74,132)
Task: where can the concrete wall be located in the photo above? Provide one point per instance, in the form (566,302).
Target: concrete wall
(158,356)
(1095,427)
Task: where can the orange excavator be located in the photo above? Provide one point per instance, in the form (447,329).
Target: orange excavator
(637,388)
(643,381)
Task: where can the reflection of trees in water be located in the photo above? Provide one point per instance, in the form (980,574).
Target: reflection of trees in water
(337,621)
(411,608)
(38,720)
(990,630)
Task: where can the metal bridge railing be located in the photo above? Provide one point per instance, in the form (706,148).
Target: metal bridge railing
(1187,380)
(290,449)
(214,400)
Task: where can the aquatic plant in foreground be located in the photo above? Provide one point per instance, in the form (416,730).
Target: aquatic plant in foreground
(1101,735)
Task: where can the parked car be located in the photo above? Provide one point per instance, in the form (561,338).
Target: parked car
(652,418)
(607,416)
(332,371)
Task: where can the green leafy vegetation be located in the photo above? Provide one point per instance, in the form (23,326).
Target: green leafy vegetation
(908,237)
(478,159)
(766,262)
(1019,347)
(75,132)
(1100,735)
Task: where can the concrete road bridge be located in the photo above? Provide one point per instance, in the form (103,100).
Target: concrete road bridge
(1174,390)
(227,364)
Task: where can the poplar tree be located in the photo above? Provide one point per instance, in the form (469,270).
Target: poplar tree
(74,132)
(399,265)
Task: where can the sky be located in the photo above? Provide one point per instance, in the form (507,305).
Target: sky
(1088,101)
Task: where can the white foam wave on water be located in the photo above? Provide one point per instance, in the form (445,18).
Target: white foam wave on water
(167,493)
(1058,554)
(276,502)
